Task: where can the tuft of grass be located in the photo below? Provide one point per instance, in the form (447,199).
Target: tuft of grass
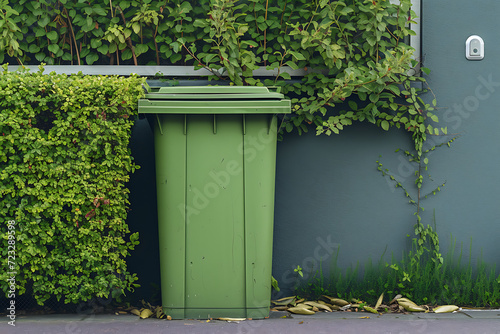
(418,275)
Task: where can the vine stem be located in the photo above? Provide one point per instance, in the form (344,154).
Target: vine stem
(129,41)
(265,31)
(199,62)
(312,17)
(397,18)
(156,47)
(279,67)
(283,13)
(365,83)
(338,25)
(390,32)
(73,35)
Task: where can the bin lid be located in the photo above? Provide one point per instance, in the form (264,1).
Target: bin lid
(214,100)
(215,92)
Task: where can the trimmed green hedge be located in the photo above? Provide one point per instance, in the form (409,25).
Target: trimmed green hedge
(64,163)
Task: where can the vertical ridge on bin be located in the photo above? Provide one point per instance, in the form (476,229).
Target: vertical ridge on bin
(185,207)
(243,180)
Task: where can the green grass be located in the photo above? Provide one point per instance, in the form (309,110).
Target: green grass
(418,276)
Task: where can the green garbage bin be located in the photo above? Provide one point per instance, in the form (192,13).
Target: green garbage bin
(215,152)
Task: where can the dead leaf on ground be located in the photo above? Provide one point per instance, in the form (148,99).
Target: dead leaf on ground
(146,313)
(232,319)
(300,310)
(336,301)
(446,309)
(319,306)
(279,308)
(369,309)
(379,301)
(395,298)
(284,301)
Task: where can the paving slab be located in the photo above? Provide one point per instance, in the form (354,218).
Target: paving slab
(483,314)
(444,316)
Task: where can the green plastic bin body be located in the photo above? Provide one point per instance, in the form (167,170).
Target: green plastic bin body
(215,151)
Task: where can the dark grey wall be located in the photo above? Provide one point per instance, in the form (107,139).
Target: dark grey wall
(330,196)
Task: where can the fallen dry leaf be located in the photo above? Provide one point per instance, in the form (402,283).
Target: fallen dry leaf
(446,309)
(300,310)
(232,319)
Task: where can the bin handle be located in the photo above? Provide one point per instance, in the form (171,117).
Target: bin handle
(244,125)
(270,125)
(159,124)
(185,124)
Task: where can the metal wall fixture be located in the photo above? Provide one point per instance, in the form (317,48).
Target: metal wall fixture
(474,48)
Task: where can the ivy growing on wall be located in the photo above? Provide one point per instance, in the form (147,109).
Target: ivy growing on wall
(64,163)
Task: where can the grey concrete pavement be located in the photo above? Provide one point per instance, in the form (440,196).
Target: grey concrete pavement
(467,321)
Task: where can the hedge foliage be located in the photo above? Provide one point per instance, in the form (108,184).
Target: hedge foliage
(64,162)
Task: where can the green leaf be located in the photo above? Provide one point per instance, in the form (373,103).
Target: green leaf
(140,49)
(372,40)
(201,23)
(175,46)
(54,48)
(285,76)
(95,43)
(136,27)
(40,56)
(103,49)
(385,125)
(346,10)
(394,89)
(297,55)
(33,48)
(425,70)
(292,65)
(43,21)
(99,11)
(52,35)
